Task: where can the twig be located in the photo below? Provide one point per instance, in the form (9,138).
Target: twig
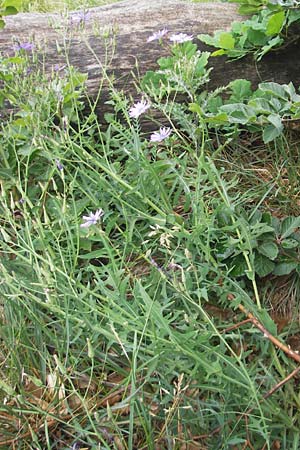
(281,383)
(291,353)
(237,325)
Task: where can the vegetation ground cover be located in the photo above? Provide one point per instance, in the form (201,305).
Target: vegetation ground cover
(149,281)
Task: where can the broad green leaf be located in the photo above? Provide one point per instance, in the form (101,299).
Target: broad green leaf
(218,119)
(289,243)
(15,3)
(209,40)
(261,105)
(195,107)
(270,133)
(276,41)
(2,24)
(241,89)
(226,41)
(275,89)
(9,11)
(239,113)
(263,265)
(219,52)
(289,226)
(268,249)
(239,266)
(275,120)
(284,268)
(275,23)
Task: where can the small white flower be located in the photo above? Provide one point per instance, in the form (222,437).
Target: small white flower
(138,108)
(157,35)
(163,133)
(180,38)
(92,218)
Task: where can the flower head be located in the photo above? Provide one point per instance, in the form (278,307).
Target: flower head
(163,133)
(80,17)
(180,38)
(27,46)
(59,165)
(92,218)
(138,108)
(157,35)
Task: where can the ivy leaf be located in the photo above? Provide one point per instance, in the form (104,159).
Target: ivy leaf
(263,265)
(275,23)
(268,249)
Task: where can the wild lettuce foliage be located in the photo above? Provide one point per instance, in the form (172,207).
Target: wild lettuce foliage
(267,29)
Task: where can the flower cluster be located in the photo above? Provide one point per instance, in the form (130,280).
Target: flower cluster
(176,38)
(180,38)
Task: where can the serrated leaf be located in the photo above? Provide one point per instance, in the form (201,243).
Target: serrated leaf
(263,265)
(284,268)
(275,23)
(289,226)
(268,249)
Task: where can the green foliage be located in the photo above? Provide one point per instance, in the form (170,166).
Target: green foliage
(7,8)
(264,110)
(264,31)
(107,329)
(184,71)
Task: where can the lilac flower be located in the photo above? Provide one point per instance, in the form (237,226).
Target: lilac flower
(163,133)
(92,218)
(157,35)
(58,68)
(180,38)
(27,46)
(138,108)
(59,165)
(80,17)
